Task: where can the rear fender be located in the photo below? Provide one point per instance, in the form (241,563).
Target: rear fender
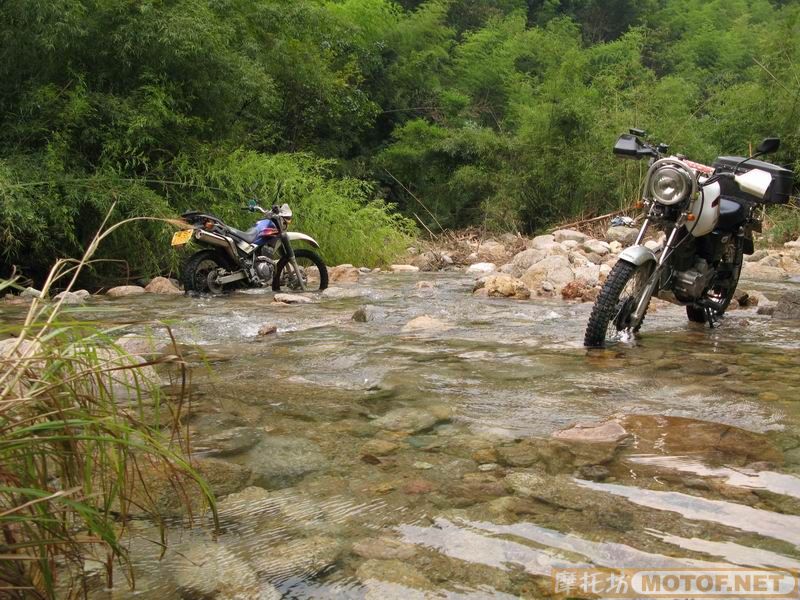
(638,255)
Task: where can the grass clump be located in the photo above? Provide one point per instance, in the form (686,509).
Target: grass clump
(78,446)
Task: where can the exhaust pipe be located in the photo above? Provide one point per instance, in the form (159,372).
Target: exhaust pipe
(214,239)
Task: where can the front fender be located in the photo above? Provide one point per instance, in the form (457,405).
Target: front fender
(297,236)
(637,255)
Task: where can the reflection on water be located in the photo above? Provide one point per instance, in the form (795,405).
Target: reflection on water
(392,463)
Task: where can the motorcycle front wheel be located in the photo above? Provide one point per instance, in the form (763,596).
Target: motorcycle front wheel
(312,268)
(611,314)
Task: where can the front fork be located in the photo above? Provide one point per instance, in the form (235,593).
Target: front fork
(287,248)
(652,283)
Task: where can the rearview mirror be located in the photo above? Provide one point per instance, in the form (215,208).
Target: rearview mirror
(768,145)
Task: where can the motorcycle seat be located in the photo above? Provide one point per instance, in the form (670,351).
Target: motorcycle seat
(248,236)
(731,214)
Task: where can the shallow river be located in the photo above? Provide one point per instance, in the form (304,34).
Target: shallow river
(403,464)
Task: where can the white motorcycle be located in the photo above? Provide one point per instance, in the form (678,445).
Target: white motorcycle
(707,214)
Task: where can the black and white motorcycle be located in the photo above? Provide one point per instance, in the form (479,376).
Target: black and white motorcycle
(707,214)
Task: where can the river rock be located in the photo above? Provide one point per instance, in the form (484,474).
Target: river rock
(162,285)
(231,442)
(125,290)
(425,323)
(392,579)
(267,329)
(301,557)
(384,548)
(412,419)
(481,268)
(291,299)
(277,461)
(622,234)
(403,269)
(580,289)
(525,483)
(366,313)
(69,298)
(208,569)
(343,274)
(506,286)
(143,345)
(596,247)
(788,306)
(593,443)
(30,293)
(563,235)
(555,269)
(526,259)
(492,251)
(759,271)
(379,447)
(541,242)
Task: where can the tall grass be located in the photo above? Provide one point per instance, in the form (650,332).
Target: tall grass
(76,455)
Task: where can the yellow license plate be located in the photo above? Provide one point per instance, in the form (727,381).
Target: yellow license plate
(181,237)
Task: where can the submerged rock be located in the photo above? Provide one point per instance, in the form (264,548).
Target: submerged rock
(278,461)
(425,323)
(384,548)
(379,447)
(301,558)
(231,442)
(208,569)
(387,579)
(593,443)
(291,299)
(412,419)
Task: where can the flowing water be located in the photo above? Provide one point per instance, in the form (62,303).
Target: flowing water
(373,461)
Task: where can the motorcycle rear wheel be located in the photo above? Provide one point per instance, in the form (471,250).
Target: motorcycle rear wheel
(197,268)
(285,277)
(721,292)
(610,318)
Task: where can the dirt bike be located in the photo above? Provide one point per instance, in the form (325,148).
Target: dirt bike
(261,256)
(707,214)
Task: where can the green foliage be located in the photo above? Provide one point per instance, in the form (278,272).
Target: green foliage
(499,112)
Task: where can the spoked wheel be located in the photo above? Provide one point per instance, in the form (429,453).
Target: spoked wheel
(198,272)
(723,287)
(312,269)
(611,315)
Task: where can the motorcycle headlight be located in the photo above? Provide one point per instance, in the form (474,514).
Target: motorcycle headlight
(669,185)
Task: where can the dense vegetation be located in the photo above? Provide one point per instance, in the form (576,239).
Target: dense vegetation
(459,112)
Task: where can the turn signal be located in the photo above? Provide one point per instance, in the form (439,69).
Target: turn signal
(690,217)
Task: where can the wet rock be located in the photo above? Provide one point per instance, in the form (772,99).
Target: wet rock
(594,472)
(144,345)
(563,235)
(553,269)
(482,268)
(593,443)
(421,465)
(207,569)
(69,298)
(232,442)
(766,309)
(301,558)
(418,486)
(125,290)
(403,269)
(343,274)
(291,299)
(379,447)
(525,483)
(366,313)
(267,329)
(384,548)
(518,455)
(484,455)
(278,461)
(224,477)
(247,503)
(579,289)
(411,419)
(392,579)
(162,285)
(622,234)
(788,306)
(425,323)
(506,286)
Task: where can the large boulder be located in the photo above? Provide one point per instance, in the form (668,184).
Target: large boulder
(162,285)
(526,259)
(506,286)
(763,272)
(125,290)
(622,234)
(555,270)
(564,235)
(788,306)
